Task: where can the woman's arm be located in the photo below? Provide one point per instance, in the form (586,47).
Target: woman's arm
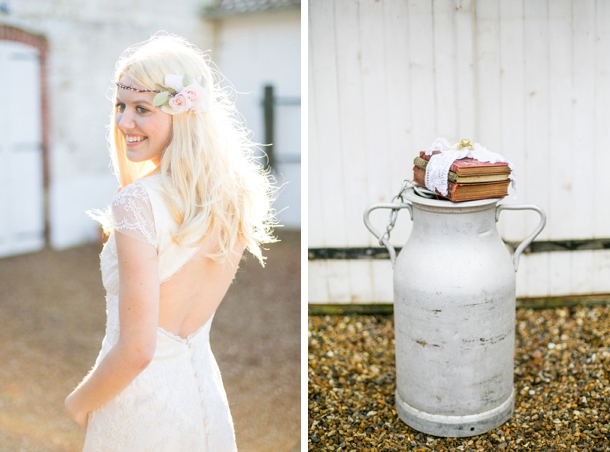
(138,316)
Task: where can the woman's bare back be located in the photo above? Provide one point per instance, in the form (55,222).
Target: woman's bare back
(190,297)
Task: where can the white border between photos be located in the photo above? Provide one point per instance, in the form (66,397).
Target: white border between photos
(304,217)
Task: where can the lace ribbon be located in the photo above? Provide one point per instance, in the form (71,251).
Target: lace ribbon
(437,170)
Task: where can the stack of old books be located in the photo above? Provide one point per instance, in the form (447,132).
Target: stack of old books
(468,178)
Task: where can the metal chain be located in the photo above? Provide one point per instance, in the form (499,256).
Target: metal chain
(421,191)
(394,212)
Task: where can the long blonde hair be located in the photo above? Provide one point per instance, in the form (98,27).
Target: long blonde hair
(212,183)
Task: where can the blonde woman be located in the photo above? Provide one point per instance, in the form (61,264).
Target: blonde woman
(192,200)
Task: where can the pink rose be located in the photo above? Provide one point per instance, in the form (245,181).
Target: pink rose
(180,103)
(196,96)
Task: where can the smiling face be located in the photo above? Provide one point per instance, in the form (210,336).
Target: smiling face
(147,130)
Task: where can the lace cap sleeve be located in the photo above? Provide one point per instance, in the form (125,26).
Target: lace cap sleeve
(132,214)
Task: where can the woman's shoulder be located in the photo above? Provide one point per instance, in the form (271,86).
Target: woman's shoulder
(141,190)
(147,193)
(134,191)
(153,179)
(131,213)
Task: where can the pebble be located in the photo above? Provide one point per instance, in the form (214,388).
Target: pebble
(562,390)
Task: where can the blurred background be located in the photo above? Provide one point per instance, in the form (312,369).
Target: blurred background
(56,62)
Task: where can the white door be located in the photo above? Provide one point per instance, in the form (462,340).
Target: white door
(21,173)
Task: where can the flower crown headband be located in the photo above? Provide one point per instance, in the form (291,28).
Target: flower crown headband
(180,94)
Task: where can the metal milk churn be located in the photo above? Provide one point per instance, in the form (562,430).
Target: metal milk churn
(454,308)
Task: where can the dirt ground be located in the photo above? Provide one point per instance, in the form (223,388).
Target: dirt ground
(52,319)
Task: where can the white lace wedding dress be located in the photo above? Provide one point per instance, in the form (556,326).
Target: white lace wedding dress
(178,403)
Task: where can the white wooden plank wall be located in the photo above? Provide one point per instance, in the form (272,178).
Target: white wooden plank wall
(528,79)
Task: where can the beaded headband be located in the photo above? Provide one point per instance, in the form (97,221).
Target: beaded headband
(138,90)
(181,94)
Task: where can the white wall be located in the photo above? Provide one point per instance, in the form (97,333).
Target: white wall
(530,80)
(255,50)
(85,39)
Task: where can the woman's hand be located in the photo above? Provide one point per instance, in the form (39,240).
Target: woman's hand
(81,420)
(81,417)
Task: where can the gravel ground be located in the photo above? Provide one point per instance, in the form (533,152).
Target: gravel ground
(52,319)
(562,368)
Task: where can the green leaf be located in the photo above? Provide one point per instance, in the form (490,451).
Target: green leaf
(202,81)
(166,88)
(186,80)
(160,98)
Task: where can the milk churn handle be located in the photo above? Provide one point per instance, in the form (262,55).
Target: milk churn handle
(384,239)
(529,238)
(395,206)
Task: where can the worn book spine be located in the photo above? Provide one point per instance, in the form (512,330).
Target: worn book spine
(466,192)
(472,192)
(421,163)
(419,176)
(471,166)
(420,173)
(468,178)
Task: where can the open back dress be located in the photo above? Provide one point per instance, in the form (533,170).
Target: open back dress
(178,403)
